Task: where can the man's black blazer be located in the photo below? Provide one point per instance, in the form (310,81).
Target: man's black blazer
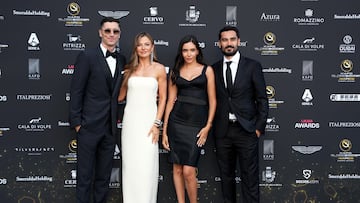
(94,92)
(247,99)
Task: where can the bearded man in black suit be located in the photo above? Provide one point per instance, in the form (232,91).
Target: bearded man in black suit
(240,117)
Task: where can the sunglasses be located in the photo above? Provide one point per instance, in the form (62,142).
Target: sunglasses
(108,31)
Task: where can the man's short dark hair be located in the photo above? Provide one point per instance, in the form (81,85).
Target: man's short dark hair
(229,28)
(109,19)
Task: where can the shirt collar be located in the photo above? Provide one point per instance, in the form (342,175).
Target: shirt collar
(234,59)
(103,49)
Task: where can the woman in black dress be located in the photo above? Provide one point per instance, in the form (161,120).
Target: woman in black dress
(189,114)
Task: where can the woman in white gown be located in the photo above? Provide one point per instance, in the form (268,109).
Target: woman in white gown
(144,89)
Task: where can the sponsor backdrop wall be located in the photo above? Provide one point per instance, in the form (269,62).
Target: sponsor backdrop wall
(308,51)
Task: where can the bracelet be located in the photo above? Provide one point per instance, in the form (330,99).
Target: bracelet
(158,123)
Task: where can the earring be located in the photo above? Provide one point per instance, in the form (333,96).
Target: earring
(151,57)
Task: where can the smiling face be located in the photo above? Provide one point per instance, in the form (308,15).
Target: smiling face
(109,34)
(229,43)
(189,52)
(144,47)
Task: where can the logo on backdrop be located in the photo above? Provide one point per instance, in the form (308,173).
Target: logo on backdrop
(161,178)
(308,44)
(192,17)
(73,43)
(268,177)
(268,148)
(31,13)
(34,178)
(2,130)
(3,46)
(307,98)
(63,123)
(153,19)
(307,70)
(73,19)
(3,98)
(348,16)
(34,151)
(231,18)
(345,154)
(269,17)
(338,97)
(34,68)
(269,38)
(307,174)
(202,45)
(347,47)
(242,44)
(269,49)
(307,124)
(117,152)
(306,149)
(68,70)
(114,14)
(70,183)
(346,75)
(2,17)
(160,42)
(33,42)
(67,97)
(270,92)
(345,145)
(115,178)
(199,181)
(344,124)
(35,125)
(346,66)
(277,70)
(33,97)
(3,181)
(309,19)
(271,125)
(70,157)
(73,9)
(343,176)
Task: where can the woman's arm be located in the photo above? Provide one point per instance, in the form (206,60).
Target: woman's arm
(172,93)
(211,90)
(162,86)
(204,132)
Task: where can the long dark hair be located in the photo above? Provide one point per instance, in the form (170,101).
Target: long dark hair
(179,59)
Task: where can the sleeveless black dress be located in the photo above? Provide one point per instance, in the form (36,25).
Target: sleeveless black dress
(188,116)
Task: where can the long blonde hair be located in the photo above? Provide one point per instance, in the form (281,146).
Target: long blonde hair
(133,64)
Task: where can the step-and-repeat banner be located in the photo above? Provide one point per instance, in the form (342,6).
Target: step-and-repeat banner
(311,149)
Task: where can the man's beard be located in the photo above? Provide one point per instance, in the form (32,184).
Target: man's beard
(229,53)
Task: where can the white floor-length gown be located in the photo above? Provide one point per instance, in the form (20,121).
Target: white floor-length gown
(140,157)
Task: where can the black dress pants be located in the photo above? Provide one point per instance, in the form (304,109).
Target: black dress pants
(240,145)
(95,154)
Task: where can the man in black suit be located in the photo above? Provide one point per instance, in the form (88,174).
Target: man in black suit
(93,112)
(240,117)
